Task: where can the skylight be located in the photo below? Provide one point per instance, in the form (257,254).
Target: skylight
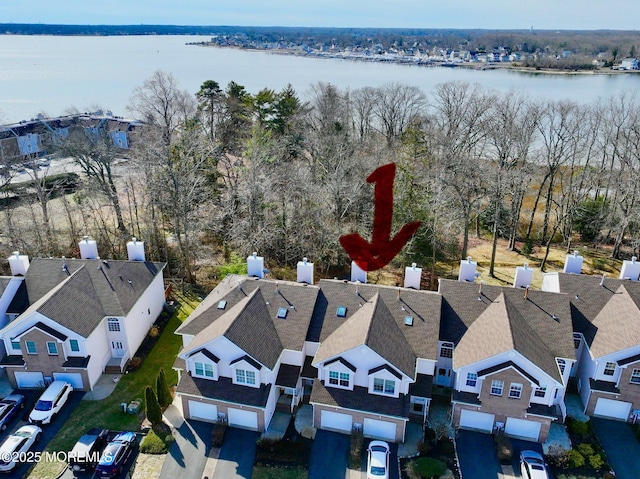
(408,320)
(282,313)
(341,312)
(222,304)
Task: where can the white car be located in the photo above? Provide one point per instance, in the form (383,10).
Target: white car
(378,460)
(532,465)
(50,403)
(16,444)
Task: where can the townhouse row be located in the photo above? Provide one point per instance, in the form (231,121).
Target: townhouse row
(371,357)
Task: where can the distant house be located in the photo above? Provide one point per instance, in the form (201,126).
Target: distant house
(629,64)
(71,319)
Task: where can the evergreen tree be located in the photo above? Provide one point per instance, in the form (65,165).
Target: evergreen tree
(154,414)
(164,393)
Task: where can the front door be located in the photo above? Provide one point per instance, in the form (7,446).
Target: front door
(117,349)
(443,378)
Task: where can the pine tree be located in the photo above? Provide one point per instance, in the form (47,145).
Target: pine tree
(164,393)
(154,414)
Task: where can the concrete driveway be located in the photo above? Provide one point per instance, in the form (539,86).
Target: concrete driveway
(329,455)
(477,455)
(237,454)
(620,445)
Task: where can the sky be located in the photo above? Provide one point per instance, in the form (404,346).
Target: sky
(460,14)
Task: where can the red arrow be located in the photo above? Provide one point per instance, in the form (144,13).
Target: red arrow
(371,256)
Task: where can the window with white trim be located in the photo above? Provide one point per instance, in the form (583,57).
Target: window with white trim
(15,345)
(635,376)
(496,387)
(74,346)
(384,386)
(113,324)
(561,365)
(204,369)
(577,339)
(31,347)
(446,350)
(541,391)
(339,379)
(472,379)
(609,369)
(515,391)
(244,376)
(52,348)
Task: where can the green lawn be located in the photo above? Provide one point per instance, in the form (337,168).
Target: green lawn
(107,412)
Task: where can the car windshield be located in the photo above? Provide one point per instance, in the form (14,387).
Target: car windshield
(43,405)
(109,454)
(377,471)
(537,467)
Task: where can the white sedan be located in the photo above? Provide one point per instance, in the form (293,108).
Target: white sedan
(14,448)
(378,460)
(532,465)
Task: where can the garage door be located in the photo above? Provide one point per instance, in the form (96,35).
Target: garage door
(243,419)
(523,429)
(203,411)
(380,429)
(75,379)
(612,409)
(29,380)
(478,421)
(336,421)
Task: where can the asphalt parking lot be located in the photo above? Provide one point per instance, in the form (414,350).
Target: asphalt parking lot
(48,431)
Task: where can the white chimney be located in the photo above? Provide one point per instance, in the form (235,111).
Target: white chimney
(630,269)
(305,271)
(467,270)
(357,273)
(412,276)
(573,263)
(135,250)
(88,248)
(19,264)
(255,266)
(523,277)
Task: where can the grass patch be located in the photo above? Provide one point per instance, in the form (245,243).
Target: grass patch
(265,472)
(107,413)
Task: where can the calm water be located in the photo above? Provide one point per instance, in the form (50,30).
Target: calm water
(53,74)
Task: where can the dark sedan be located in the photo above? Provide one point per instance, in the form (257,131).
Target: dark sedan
(116,454)
(9,407)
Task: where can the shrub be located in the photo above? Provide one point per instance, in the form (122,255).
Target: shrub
(585,449)
(527,247)
(164,393)
(424,448)
(579,428)
(154,332)
(154,414)
(428,467)
(135,363)
(154,444)
(504,448)
(575,459)
(447,446)
(429,434)
(596,461)
(355,455)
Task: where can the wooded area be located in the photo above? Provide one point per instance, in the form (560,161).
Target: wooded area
(225,172)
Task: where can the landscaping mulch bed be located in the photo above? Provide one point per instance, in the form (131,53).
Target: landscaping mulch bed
(442,450)
(150,340)
(291,451)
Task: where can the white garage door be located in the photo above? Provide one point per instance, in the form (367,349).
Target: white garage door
(243,419)
(479,421)
(203,411)
(612,409)
(379,429)
(336,420)
(29,380)
(523,429)
(75,379)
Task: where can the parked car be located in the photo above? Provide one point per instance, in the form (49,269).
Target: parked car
(116,454)
(87,451)
(17,443)
(50,403)
(532,465)
(9,407)
(378,460)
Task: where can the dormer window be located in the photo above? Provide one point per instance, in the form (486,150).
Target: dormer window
(384,386)
(15,345)
(339,379)
(609,369)
(245,376)
(204,369)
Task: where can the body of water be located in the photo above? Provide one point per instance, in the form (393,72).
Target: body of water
(53,74)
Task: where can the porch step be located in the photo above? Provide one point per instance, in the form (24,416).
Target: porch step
(108,369)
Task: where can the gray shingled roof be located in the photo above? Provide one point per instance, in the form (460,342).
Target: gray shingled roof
(374,326)
(423,306)
(501,319)
(92,290)
(224,390)
(618,325)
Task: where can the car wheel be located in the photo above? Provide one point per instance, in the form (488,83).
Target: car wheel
(37,437)
(22,405)
(3,427)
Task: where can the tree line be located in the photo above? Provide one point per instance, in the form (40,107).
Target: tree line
(223,171)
